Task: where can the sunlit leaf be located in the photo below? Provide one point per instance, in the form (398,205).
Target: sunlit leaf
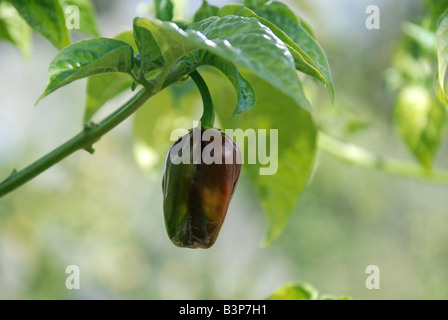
(147,46)
(246,35)
(315,66)
(282,9)
(236,39)
(173,42)
(87,58)
(310,49)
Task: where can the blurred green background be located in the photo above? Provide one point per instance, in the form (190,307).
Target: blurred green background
(103,215)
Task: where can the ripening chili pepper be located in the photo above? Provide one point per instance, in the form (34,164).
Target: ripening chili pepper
(196,194)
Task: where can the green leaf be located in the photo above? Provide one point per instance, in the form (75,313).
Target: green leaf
(308,28)
(297,136)
(87,58)
(205,11)
(87,15)
(421,121)
(173,41)
(295,291)
(245,93)
(302,60)
(45,17)
(307,45)
(147,46)
(255,4)
(14,29)
(103,87)
(171,109)
(236,39)
(442,48)
(287,12)
(164,10)
(282,9)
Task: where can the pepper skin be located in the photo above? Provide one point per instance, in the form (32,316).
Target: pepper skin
(197,196)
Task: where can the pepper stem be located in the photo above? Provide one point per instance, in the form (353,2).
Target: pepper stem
(208,116)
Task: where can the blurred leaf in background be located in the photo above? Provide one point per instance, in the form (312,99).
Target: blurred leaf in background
(420,117)
(45,17)
(14,29)
(421,120)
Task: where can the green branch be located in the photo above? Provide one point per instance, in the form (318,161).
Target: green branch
(93,132)
(365,159)
(86,138)
(82,141)
(208,115)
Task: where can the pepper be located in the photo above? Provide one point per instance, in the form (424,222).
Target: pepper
(196,195)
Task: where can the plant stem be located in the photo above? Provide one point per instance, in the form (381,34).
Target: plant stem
(208,116)
(365,159)
(82,141)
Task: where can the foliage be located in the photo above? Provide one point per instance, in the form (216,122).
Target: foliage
(159,53)
(420,117)
(265,54)
(229,39)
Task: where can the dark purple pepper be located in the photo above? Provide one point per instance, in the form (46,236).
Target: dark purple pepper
(196,196)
